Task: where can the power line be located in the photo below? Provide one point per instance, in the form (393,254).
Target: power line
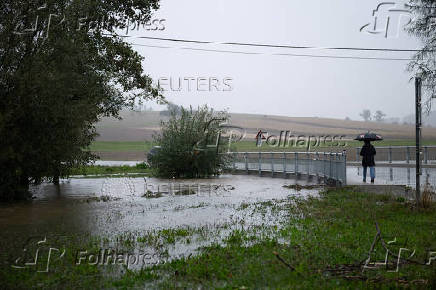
(268,45)
(278,54)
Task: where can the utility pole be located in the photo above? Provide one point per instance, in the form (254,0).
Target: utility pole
(418,86)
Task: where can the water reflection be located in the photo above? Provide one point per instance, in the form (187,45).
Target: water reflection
(393,175)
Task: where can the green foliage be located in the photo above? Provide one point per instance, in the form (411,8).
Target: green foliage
(185,141)
(424,61)
(324,239)
(58,80)
(108,170)
(142,165)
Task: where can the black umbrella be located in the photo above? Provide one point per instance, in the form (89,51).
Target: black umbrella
(368,137)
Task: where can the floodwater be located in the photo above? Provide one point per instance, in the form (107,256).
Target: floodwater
(116,208)
(392,176)
(111,207)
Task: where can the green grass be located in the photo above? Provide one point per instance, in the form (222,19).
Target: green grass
(322,239)
(335,231)
(244,146)
(109,170)
(102,146)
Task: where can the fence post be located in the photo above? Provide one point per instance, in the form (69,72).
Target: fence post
(234,164)
(425,155)
(317,164)
(246,161)
(296,163)
(336,168)
(390,154)
(260,163)
(272,163)
(324,165)
(407,154)
(330,170)
(284,163)
(345,167)
(357,154)
(308,164)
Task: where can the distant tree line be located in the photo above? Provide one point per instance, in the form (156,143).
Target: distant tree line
(378,116)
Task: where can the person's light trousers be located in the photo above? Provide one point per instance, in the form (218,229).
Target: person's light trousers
(371,172)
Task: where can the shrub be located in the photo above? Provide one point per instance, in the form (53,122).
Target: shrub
(185,141)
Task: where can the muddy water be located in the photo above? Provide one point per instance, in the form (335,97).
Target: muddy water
(115,206)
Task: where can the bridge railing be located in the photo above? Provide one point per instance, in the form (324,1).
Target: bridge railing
(407,154)
(330,166)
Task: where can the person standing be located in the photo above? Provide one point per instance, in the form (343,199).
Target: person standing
(368,152)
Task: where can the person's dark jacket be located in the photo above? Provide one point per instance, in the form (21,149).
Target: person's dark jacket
(368,153)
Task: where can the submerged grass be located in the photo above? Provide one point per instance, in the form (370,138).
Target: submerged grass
(325,241)
(321,243)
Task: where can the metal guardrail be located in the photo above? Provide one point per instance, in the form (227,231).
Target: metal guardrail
(401,153)
(330,166)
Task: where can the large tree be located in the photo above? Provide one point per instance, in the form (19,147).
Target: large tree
(424,61)
(62,67)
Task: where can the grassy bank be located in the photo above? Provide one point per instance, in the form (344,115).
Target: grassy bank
(322,243)
(101,146)
(243,146)
(103,171)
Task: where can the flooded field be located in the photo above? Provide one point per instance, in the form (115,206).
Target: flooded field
(169,218)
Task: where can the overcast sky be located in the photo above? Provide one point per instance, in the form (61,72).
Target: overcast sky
(276,84)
